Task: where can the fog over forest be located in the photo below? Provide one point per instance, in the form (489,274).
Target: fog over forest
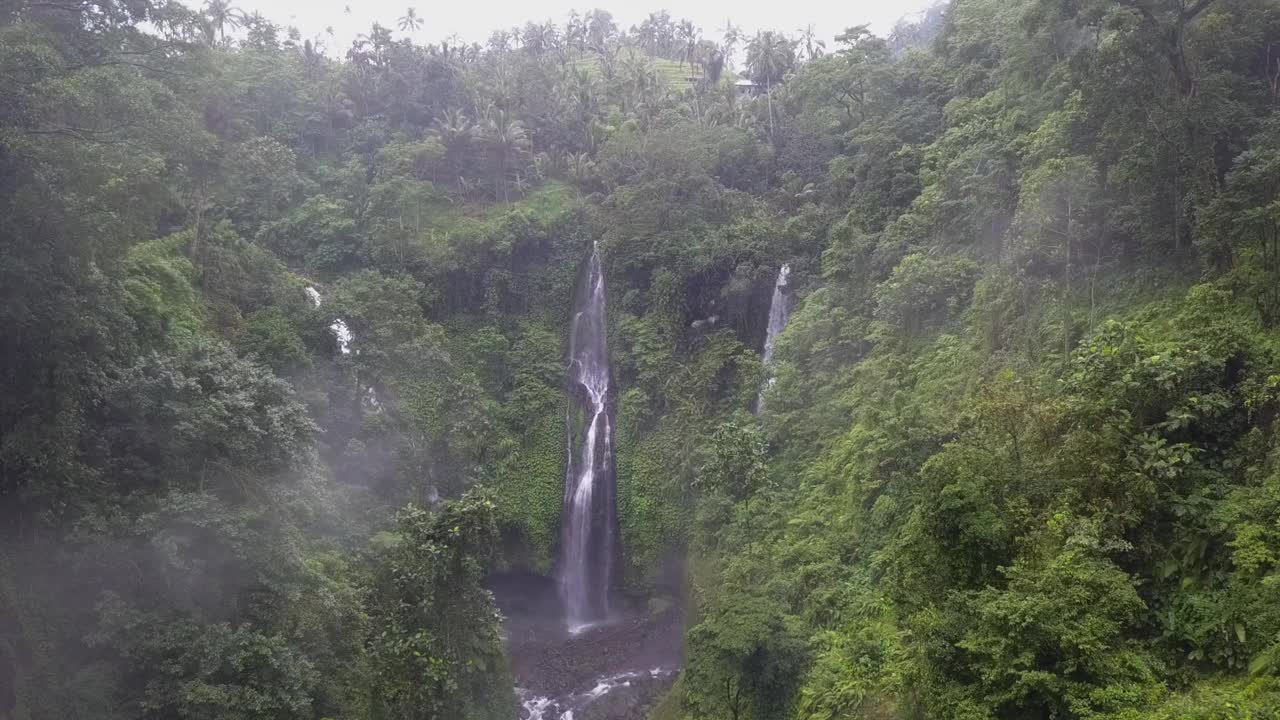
(333,24)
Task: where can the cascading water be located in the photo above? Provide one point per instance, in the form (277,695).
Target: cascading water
(338,328)
(588,542)
(779,314)
(369,402)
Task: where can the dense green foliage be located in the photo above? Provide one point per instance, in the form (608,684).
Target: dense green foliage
(1023,430)
(1020,457)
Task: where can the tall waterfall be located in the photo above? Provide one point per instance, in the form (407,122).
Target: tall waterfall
(779,313)
(589,539)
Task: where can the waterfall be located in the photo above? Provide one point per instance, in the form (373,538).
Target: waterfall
(779,313)
(588,542)
(338,328)
(369,402)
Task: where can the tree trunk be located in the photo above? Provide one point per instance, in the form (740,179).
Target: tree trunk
(768,91)
(1066,305)
(1177,208)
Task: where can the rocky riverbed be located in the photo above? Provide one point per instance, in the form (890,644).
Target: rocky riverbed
(615,670)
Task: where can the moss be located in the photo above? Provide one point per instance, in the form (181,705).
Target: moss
(530,490)
(653,508)
(549,202)
(160,294)
(670,706)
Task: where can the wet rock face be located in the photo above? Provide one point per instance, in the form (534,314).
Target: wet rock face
(8,681)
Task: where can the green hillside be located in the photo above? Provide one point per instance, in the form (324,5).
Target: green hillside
(284,390)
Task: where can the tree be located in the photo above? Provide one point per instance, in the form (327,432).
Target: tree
(601,28)
(456,133)
(814,48)
(1240,229)
(506,142)
(220,15)
(435,629)
(689,46)
(210,415)
(743,661)
(1169,19)
(770,56)
(737,465)
(856,77)
(205,671)
(732,35)
(410,22)
(1057,210)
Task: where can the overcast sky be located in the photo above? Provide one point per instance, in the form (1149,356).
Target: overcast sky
(474,20)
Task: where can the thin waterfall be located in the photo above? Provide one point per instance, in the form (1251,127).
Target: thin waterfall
(338,328)
(588,543)
(369,402)
(779,314)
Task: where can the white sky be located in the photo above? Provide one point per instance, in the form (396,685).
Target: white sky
(474,20)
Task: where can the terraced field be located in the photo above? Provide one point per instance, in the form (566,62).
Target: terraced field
(673,73)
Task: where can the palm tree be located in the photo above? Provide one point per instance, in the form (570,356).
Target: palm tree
(359,54)
(732,36)
(506,140)
(258,31)
(600,28)
(688,43)
(770,56)
(454,41)
(581,167)
(584,92)
(380,42)
(551,37)
(609,63)
(221,14)
(410,22)
(712,65)
(575,31)
(813,47)
(499,42)
(456,132)
(647,34)
(538,38)
(641,81)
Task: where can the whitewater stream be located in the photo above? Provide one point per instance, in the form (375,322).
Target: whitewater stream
(576,706)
